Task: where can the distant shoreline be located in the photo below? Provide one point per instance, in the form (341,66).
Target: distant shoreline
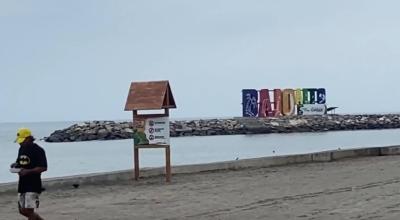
(111,130)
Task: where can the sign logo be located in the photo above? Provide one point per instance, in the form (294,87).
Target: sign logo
(24,160)
(151,130)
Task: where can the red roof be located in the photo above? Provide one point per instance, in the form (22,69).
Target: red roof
(150,96)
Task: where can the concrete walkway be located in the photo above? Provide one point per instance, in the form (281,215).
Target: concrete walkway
(362,188)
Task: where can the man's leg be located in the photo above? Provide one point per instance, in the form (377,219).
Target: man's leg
(27,204)
(30,214)
(22,212)
(21,204)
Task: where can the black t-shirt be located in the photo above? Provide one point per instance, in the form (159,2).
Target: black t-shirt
(29,157)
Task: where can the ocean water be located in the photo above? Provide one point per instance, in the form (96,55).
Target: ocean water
(98,156)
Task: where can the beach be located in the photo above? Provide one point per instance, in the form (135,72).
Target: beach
(224,110)
(362,188)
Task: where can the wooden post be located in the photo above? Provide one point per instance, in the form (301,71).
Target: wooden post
(168,164)
(136,158)
(135,153)
(167,155)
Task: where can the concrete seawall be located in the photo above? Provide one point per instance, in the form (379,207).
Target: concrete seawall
(125,175)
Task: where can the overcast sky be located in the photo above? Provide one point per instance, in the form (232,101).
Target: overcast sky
(74,60)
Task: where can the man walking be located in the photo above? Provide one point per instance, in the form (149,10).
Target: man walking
(32,162)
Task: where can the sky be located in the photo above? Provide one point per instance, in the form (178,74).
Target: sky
(74,60)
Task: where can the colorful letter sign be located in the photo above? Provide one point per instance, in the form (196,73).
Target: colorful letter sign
(308,101)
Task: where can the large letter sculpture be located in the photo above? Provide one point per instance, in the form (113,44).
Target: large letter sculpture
(277,102)
(321,96)
(265,109)
(250,102)
(288,102)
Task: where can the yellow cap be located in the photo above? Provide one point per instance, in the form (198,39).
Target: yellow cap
(22,134)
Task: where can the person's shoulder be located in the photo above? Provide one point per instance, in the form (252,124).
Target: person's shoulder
(39,148)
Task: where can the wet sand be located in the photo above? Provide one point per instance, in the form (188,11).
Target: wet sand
(364,188)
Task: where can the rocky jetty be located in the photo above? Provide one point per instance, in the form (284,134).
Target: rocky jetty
(110,130)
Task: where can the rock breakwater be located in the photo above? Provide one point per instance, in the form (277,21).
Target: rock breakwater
(110,130)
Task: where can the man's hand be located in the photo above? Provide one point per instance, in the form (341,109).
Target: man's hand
(13,165)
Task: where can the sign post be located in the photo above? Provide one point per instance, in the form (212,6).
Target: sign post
(151,130)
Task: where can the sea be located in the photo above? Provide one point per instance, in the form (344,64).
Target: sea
(65,159)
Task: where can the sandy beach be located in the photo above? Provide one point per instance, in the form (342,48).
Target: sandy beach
(364,188)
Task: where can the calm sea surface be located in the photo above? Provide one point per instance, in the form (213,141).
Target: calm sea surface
(99,156)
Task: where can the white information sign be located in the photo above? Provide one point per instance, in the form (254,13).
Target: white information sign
(157,130)
(313,109)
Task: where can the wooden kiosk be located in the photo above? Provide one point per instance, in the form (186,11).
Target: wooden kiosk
(151,130)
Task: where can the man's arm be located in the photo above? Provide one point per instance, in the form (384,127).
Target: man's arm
(15,164)
(35,170)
